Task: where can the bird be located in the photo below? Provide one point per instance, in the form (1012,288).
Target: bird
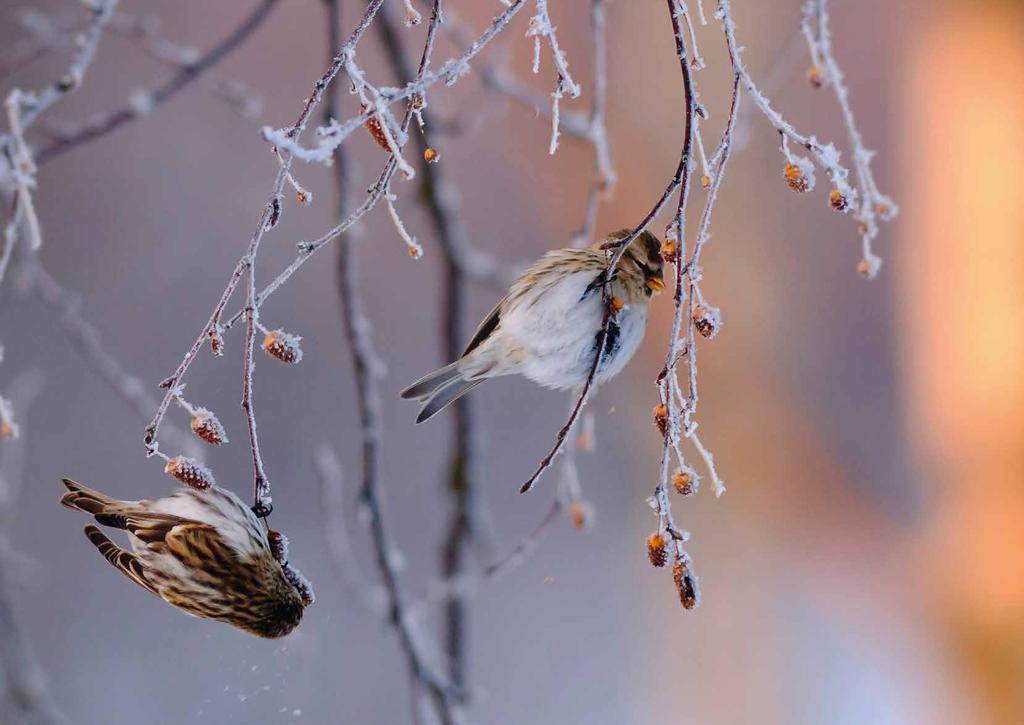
(203,551)
(548,327)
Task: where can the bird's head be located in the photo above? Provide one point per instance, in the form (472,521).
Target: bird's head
(642,258)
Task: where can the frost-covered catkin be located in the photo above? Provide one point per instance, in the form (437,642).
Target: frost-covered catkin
(684,482)
(283,345)
(300,582)
(657,549)
(190,472)
(581,514)
(278,545)
(799,174)
(707,320)
(686,584)
(661,418)
(206,425)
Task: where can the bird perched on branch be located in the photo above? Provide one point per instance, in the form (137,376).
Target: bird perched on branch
(204,551)
(548,327)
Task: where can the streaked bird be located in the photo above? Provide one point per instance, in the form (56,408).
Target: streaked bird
(203,551)
(548,326)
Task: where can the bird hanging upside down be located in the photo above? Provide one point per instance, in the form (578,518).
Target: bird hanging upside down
(548,326)
(203,551)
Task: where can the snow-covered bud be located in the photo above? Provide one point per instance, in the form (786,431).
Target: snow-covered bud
(668,250)
(431,156)
(216,341)
(283,345)
(707,320)
(799,174)
(815,76)
(657,549)
(868,268)
(685,482)
(661,418)
(581,514)
(190,472)
(686,584)
(705,181)
(617,303)
(301,584)
(373,125)
(70,82)
(7,430)
(278,545)
(838,201)
(206,426)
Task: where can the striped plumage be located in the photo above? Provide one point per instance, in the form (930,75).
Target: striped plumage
(203,551)
(547,327)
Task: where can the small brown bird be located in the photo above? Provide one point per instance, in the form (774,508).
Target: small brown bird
(548,326)
(204,551)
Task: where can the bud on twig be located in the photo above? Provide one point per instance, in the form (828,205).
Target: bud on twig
(278,545)
(707,320)
(283,345)
(815,76)
(686,584)
(190,472)
(431,156)
(684,482)
(581,514)
(206,426)
(657,549)
(799,176)
(838,200)
(373,125)
(661,418)
(301,583)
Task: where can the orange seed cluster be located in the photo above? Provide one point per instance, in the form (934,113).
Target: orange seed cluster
(206,425)
(683,482)
(657,549)
(686,584)
(190,472)
(661,418)
(283,345)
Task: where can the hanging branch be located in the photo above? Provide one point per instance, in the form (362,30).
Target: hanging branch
(871,205)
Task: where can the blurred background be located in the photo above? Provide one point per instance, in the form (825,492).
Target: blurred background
(867,562)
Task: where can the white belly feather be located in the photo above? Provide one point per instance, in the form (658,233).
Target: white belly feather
(557,333)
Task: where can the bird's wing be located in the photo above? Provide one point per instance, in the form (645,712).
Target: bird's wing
(489,325)
(200,545)
(149,527)
(126,562)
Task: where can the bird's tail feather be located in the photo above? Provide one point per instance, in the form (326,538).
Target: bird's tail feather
(445,395)
(431,383)
(83,498)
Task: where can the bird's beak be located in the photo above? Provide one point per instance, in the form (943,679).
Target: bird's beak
(655,284)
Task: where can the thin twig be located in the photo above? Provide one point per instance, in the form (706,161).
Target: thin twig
(182,79)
